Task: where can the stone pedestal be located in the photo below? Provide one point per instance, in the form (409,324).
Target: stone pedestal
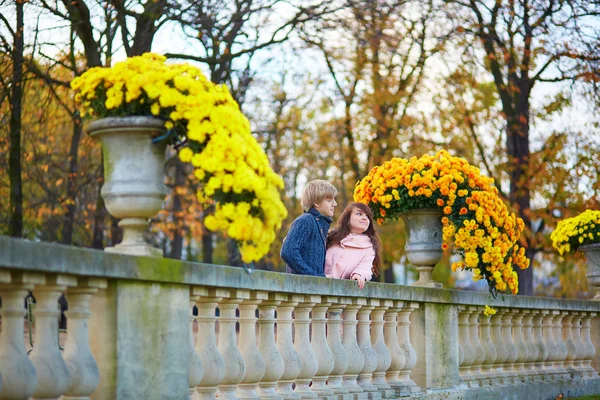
(139,336)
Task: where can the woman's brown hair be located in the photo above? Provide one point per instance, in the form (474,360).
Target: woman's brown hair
(343,229)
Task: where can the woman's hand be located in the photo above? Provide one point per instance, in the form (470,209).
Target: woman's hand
(360,279)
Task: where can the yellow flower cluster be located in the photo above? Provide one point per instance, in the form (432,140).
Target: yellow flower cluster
(231,166)
(573,232)
(475,219)
(488,311)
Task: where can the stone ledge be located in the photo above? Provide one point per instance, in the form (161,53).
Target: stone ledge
(534,391)
(25,255)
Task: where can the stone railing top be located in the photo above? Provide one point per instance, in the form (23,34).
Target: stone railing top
(25,255)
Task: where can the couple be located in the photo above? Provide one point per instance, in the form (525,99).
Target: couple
(350,251)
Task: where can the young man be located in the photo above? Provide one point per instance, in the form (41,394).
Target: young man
(303,248)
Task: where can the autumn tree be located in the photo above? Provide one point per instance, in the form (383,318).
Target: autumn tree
(228,36)
(524,43)
(13,91)
(98,42)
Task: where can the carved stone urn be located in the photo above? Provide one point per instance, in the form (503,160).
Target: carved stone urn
(592,256)
(424,243)
(133,189)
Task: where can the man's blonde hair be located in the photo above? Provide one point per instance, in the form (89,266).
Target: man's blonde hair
(315,192)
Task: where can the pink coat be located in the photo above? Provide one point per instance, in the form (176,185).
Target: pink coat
(353,255)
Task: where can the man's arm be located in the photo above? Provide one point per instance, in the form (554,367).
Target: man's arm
(296,238)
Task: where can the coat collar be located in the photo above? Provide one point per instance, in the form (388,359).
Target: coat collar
(317,214)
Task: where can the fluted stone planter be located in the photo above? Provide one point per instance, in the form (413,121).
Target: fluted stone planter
(133,189)
(592,256)
(424,243)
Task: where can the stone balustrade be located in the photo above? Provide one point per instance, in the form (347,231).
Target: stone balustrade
(131,334)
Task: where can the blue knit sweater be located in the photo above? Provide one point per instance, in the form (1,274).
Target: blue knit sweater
(303,248)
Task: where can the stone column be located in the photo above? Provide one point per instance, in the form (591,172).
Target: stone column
(334,340)
(83,370)
(207,301)
(467,351)
(390,333)
(364,343)
(562,352)
(356,359)
(52,371)
(501,352)
(291,360)
(511,348)
(254,364)
(195,367)
(548,334)
(490,350)
(532,349)
(384,358)
(519,343)
(268,349)
(15,366)
(538,339)
(569,343)
(304,348)
(477,347)
(577,336)
(228,347)
(321,348)
(590,350)
(408,385)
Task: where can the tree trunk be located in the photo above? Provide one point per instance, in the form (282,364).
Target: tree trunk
(67,234)
(14,156)
(517,144)
(99,215)
(177,244)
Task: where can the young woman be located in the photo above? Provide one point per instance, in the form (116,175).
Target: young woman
(353,247)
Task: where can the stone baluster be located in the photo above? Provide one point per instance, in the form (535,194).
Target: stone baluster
(538,340)
(364,343)
(590,350)
(476,346)
(550,345)
(321,348)
(266,344)
(291,360)
(15,366)
(254,364)
(356,359)
(50,367)
(532,349)
(490,350)
(562,352)
(195,367)
(409,386)
(390,333)
(468,352)
(207,301)
(83,370)
(384,357)
(569,343)
(519,343)
(511,348)
(234,361)
(501,352)
(304,348)
(334,340)
(577,336)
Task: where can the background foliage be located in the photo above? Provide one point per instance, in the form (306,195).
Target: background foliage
(331,89)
